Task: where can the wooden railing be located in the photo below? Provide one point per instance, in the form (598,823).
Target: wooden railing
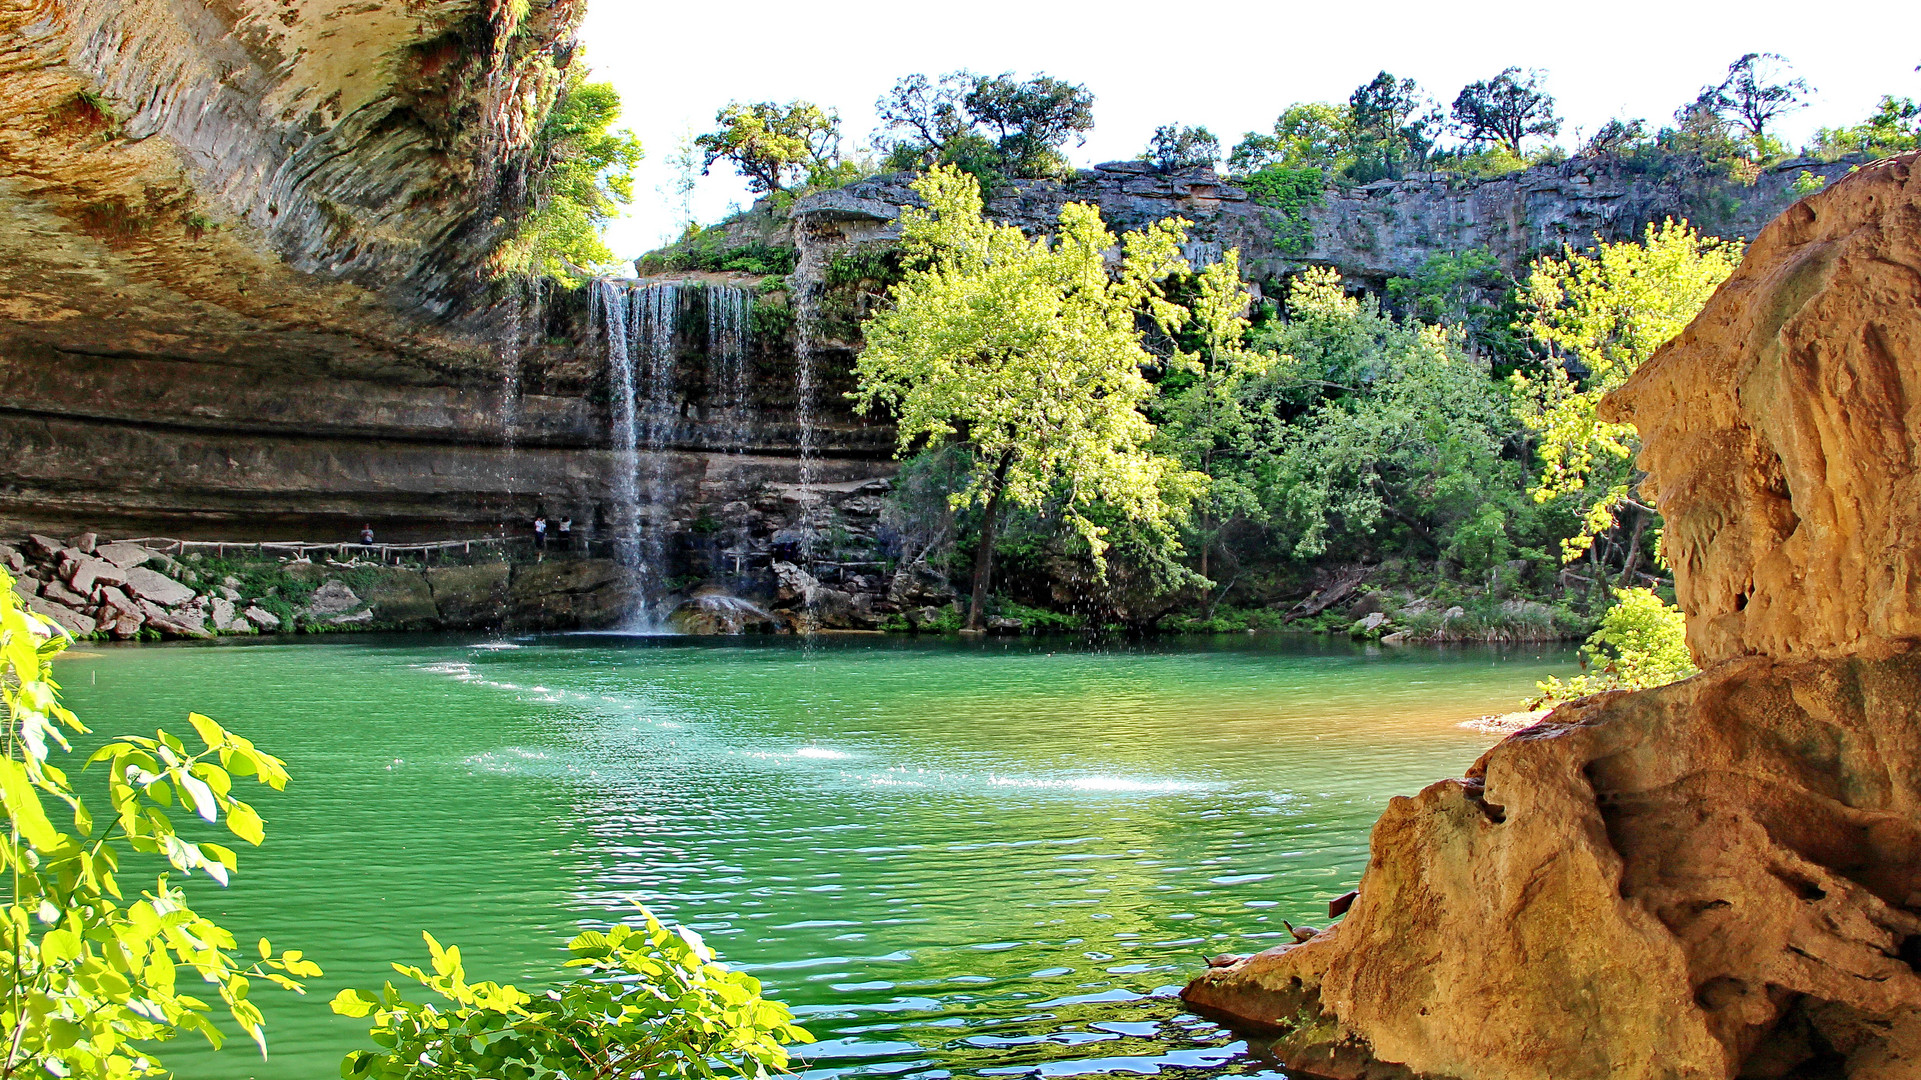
(344,550)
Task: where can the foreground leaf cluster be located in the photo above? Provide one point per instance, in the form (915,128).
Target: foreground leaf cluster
(92,979)
(649,1003)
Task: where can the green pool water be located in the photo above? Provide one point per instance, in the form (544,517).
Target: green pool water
(994,859)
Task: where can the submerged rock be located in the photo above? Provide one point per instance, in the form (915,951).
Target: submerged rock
(1721,877)
(717,613)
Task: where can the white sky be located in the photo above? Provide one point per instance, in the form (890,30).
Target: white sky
(1231,65)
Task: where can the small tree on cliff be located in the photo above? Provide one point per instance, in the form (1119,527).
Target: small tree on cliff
(1755,92)
(1027,353)
(582,177)
(773,145)
(1506,110)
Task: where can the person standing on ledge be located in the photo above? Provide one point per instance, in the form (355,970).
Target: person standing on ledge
(540,532)
(367,535)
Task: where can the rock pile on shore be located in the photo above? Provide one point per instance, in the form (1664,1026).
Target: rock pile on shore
(122,589)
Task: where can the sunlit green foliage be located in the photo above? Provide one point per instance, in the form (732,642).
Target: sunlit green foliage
(1290,193)
(1027,352)
(1606,310)
(1307,135)
(1895,128)
(647,1003)
(583,176)
(90,980)
(1642,643)
(1390,427)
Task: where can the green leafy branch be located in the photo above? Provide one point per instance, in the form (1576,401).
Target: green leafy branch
(87,977)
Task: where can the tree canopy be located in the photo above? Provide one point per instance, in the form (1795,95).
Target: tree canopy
(993,127)
(1027,352)
(1174,148)
(773,146)
(1601,313)
(1506,110)
(1756,91)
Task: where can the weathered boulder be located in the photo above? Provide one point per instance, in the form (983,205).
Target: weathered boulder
(1781,429)
(261,618)
(567,594)
(84,574)
(146,584)
(185,621)
(470,596)
(61,593)
(124,555)
(333,598)
(73,621)
(1721,877)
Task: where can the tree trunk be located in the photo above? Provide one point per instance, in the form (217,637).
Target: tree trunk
(1633,562)
(984,556)
(1206,542)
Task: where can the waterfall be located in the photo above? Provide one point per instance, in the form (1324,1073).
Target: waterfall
(657,318)
(807,282)
(730,397)
(507,413)
(640,325)
(609,302)
(729,377)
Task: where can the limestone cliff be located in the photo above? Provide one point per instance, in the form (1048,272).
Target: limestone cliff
(242,274)
(1370,233)
(1722,877)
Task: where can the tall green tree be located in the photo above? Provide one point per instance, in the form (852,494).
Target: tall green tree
(1028,354)
(1032,120)
(1756,91)
(1307,135)
(1394,126)
(1395,438)
(1204,414)
(992,127)
(1600,313)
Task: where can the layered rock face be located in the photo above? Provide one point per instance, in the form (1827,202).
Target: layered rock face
(1371,233)
(1722,877)
(243,287)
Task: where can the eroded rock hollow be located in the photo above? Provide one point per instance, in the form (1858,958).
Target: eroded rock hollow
(1720,878)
